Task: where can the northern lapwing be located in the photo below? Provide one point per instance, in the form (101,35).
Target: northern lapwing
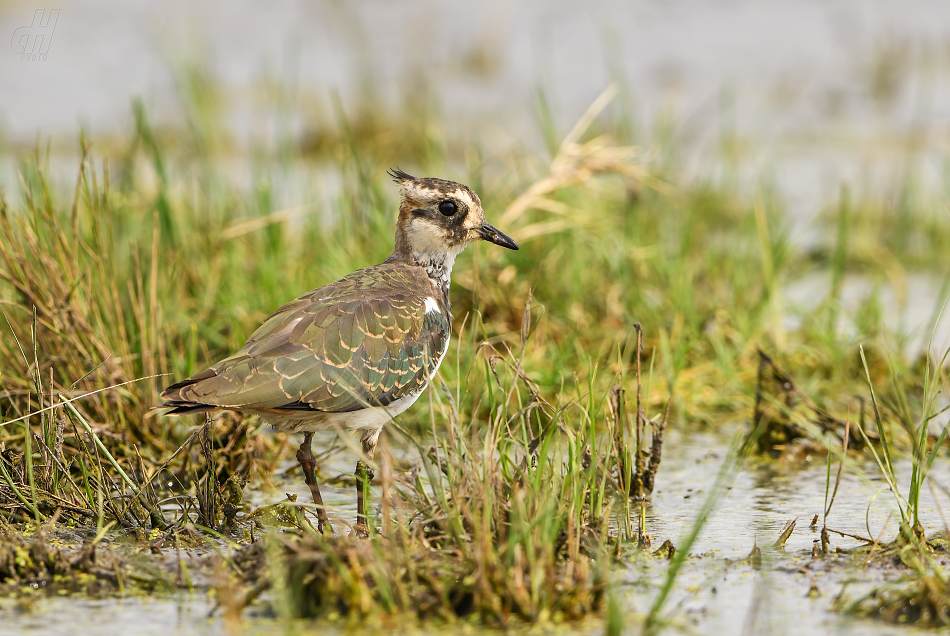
(357,352)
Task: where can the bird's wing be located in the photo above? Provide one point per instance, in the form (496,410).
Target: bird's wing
(366,340)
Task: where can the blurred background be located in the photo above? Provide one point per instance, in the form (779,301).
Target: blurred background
(815,92)
(278,109)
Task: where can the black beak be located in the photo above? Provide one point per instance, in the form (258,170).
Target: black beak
(492,235)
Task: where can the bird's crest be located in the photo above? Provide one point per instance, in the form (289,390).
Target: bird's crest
(399,176)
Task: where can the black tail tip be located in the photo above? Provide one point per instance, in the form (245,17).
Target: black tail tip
(184,408)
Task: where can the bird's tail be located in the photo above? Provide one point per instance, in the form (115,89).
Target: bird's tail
(184,408)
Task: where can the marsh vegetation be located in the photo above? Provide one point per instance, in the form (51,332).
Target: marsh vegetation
(528,485)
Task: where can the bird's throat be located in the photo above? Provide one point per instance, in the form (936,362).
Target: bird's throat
(438,265)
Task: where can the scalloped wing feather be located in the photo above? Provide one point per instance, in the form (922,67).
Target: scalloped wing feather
(366,340)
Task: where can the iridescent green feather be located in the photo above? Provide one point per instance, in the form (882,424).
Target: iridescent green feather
(365,340)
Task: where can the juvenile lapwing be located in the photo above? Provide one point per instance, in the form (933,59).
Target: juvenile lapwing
(357,352)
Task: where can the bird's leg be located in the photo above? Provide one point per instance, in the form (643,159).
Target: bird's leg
(308,463)
(364,475)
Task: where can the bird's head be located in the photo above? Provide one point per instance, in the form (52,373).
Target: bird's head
(438,218)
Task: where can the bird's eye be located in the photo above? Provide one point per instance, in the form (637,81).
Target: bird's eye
(448,208)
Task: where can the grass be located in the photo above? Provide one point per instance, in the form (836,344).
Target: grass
(155,260)
(922,593)
(503,519)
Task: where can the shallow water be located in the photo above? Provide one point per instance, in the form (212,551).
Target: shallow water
(716,591)
(181,614)
(912,312)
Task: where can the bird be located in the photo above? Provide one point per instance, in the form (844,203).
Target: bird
(355,353)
